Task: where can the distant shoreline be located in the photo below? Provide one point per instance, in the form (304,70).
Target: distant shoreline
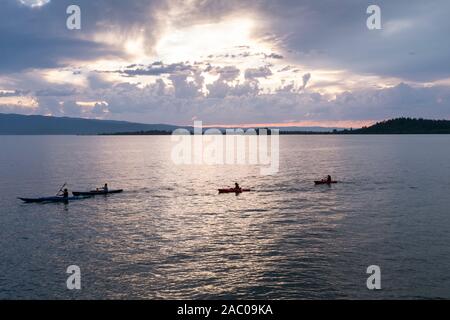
(14,124)
(399,126)
(283,134)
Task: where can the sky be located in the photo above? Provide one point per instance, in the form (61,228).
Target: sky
(226,62)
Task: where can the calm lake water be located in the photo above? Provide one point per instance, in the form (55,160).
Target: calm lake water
(170,235)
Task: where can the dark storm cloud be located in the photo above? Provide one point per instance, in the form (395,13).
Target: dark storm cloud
(38,37)
(21,51)
(412,44)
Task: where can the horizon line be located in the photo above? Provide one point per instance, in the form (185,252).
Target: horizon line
(340,124)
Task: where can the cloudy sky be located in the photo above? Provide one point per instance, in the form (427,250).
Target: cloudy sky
(226,62)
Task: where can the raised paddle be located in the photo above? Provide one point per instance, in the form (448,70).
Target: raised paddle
(65,183)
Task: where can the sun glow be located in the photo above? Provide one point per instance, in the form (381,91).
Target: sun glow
(203,40)
(135,48)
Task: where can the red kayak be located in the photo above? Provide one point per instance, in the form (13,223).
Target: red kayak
(324,182)
(233,190)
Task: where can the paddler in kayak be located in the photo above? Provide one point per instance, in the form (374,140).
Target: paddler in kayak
(65,194)
(104,188)
(328,180)
(237,189)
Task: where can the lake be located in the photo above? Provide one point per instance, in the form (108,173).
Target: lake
(171,235)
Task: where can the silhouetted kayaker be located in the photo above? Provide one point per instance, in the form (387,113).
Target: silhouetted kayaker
(329,179)
(65,193)
(236,186)
(105,188)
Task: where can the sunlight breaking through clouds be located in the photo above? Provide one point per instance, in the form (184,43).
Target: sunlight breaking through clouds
(228,62)
(203,40)
(34,3)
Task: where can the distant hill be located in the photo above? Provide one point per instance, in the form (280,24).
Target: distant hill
(405,126)
(14,124)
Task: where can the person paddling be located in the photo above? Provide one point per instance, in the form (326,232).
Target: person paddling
(236,186)
(65,194)
(329,179)
(104,188)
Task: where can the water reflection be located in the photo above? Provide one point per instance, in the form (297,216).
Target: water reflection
(171,235)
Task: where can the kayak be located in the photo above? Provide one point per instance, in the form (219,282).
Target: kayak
(233,190)
(50,199)
(324,182)
(95,192)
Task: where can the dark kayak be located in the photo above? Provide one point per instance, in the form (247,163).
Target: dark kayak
(233,190)
(50,199)
(324,182)
(95,192)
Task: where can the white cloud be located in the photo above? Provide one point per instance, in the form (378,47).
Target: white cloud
(34,3)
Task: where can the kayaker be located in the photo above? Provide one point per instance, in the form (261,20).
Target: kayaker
(105,188)
(65,193)
(329,179)
(236,186)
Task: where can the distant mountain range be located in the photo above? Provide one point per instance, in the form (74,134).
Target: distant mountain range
(14,124)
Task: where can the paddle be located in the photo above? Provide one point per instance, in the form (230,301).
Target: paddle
(65,183)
